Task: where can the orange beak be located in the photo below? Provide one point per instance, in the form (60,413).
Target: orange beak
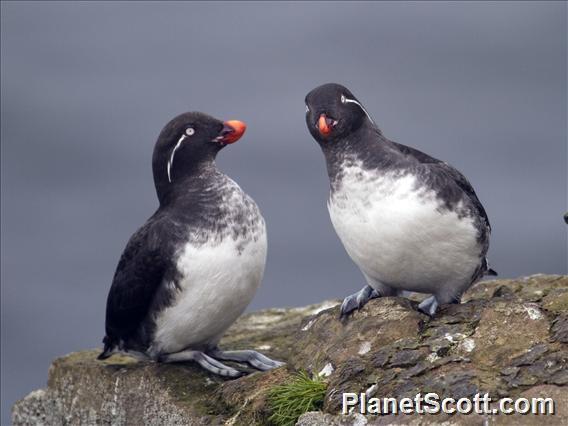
(232,131)
(324,125)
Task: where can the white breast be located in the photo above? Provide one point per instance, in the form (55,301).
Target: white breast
(399,235)
(218,282)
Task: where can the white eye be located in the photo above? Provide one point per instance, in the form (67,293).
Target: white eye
(343,99)
(189,131)
(307,108)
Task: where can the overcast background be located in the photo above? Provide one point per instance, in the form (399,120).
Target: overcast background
(87,87)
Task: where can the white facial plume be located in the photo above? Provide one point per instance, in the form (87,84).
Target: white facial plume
(188,132)
(345,100)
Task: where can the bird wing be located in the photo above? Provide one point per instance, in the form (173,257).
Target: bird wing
(420,156)
(462,182)
(445,169)
(138,276)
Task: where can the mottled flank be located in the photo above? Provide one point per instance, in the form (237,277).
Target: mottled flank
(218,208)
(507,338)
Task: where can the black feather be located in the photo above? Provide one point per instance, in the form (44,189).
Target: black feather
(448,171)
(142,270)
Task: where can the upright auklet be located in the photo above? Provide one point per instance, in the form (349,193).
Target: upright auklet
(409,221)
(189,272)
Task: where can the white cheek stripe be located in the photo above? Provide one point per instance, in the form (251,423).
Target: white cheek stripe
(353,101)
(172,156)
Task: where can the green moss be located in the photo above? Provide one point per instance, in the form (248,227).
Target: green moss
(290,400)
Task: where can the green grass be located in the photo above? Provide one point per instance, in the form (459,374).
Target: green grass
(290,400)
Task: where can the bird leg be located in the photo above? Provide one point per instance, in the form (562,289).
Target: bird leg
(429,306)
(253,358)
(204,360)
(358,300)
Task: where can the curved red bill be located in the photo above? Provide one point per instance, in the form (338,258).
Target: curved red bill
(324,125)
(233,131)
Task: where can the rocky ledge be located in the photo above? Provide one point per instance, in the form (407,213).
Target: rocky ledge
(507,338)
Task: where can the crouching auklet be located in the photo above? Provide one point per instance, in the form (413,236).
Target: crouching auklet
(191,270)
(409,221)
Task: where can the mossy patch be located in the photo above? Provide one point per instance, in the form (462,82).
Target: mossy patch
(244,401)
(294,398)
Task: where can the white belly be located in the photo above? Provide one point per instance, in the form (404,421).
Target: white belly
(399,236)
(217,285)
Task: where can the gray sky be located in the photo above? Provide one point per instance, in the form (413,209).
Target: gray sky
(87,87)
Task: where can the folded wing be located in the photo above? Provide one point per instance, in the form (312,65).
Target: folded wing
(139,275)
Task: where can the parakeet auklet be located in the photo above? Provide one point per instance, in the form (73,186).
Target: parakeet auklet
(409,221)
(189,272)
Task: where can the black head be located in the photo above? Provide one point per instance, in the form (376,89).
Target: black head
(333,112)
(188,143)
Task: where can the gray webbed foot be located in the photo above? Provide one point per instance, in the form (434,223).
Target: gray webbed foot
(204,360)
(253,358)
(429,306)
(357,300)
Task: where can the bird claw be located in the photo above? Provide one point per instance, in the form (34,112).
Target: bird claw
(253,358)
(205,361)
(357,300)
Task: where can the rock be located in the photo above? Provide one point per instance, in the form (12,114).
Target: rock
(508,338)
(84,391)
(121,390)
(560,328)
(316,418)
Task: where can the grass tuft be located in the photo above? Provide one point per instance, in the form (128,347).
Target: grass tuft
(290,400)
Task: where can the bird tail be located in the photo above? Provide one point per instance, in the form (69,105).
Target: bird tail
(488,270)
(108,349)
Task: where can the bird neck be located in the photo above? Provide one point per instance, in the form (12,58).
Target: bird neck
(193,178)
(363,144)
